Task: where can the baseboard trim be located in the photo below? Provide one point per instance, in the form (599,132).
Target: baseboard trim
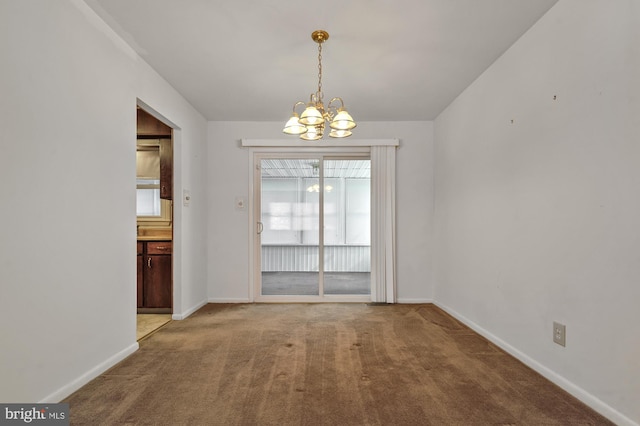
(85,378)
(189,311)
(584,396)
(413,301)
(400,300)
(224,300)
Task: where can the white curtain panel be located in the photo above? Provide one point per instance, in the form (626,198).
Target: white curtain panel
(383,224)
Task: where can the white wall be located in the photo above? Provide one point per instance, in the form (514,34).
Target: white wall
(229,175)
(67,160)
(537,219)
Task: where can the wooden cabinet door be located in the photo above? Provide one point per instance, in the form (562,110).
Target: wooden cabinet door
(157,281)
(140,281)
(166,169)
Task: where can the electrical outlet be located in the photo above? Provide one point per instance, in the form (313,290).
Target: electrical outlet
(559,334)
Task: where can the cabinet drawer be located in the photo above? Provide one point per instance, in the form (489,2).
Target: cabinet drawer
(159,247)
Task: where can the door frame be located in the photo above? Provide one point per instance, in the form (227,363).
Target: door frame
(255,272)
(176,210)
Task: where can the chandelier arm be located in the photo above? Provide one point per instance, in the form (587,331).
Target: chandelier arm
(296,104)
(332,110)
(337,98)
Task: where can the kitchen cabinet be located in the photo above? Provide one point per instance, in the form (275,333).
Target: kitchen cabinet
(149,126)
(166,169)
(140,275)
(155,276)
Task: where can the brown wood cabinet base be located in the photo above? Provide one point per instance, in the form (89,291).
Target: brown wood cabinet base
(155,311)
(155,289)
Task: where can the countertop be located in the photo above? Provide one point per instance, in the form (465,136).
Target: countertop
(153,238)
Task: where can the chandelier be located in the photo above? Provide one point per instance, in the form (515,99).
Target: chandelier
(311,123)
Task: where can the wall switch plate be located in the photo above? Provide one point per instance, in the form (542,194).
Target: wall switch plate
(186,197)
(559,333)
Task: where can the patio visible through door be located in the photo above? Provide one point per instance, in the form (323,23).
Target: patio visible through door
(300,196)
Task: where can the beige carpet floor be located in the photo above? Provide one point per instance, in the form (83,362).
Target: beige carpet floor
(322,364)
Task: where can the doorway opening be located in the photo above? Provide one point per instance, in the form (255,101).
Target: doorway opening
(154,209)
(314,227)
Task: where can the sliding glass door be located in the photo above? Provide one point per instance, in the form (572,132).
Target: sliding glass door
(347,227)
(314,226)
(289,228)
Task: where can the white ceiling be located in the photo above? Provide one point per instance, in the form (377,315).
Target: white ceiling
(390,60)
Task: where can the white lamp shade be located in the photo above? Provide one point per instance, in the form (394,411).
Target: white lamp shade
(311,116)
(340,133)
(313,133)
(342,121)
(293,126)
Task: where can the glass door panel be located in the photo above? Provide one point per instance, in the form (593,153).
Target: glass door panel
(290,213)
(347,227)
(298,198)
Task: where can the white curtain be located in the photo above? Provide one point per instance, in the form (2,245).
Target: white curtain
(383,223)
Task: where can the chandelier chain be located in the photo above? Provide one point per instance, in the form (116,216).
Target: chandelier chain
(320,72)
